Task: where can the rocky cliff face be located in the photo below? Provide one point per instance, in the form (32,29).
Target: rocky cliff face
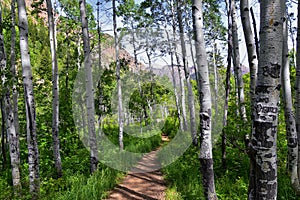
(109,54)
(167,71)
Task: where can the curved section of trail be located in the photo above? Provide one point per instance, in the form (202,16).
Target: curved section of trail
(140,186)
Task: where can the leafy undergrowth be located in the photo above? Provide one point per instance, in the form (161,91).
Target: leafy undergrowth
(184,179)
(81,186)
(77,183)
(183,176)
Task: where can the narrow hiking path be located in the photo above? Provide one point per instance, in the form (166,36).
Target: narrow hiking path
(139,186)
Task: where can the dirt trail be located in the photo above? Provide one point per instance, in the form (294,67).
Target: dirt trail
(139,186)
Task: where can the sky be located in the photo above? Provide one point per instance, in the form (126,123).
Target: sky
(255,5)
(106,23)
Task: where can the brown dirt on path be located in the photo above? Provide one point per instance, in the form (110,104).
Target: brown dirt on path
(140,186)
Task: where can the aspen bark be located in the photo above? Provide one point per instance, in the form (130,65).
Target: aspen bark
(182,92)
(255,33)
(205,156)
(120,103)
(252,61)
(297,88)
(216,82)
(191,101)
(3,135)
(99,37)
(99,84)
(181,82)
(237,64)
(190,30)
(89,88)
(33,155)
(227,82)
(55,92)
(13,67)
(250,43)
(291,132)
(265,121)
(14,144)
(174,81)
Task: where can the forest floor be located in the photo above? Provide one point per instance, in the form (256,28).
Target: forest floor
(140,186)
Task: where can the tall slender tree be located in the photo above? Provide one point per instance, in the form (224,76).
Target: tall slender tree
(216,81)
(255,33)
(13,66)
(181,81)
(237,64)
(118,75)
(14,144)
(3,135)
(252,61)
(265,121)
(171,50)
(191,101)
(297,86)
(100,98)
(205,156)
(250,43)
(33,154)
(55,92)
(227,82)
(130,11)
(89,88)
(291,132)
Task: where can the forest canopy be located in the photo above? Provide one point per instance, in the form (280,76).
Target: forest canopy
(89,88)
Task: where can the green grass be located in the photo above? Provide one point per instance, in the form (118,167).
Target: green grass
(184,179)
(81,187)
(77,183)
(172,194)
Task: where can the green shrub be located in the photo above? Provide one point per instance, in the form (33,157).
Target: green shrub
(171,126)
(78,184)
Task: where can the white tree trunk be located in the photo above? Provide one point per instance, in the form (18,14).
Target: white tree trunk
(205,156)
(13,135)
(255,33)
(191,100)
(265,121)
(120,104)
(3,134)
(89,88)
(181,82)
(227,82)
(33,155)
(297,88)
(182,93)
(253,61)
(291,132)
(237,64)
(216,83)
(13,66)
(79,53)
(55,92)
(174,81)
(250,43)
(138,69)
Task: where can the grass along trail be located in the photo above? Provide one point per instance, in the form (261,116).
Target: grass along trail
(139,186)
